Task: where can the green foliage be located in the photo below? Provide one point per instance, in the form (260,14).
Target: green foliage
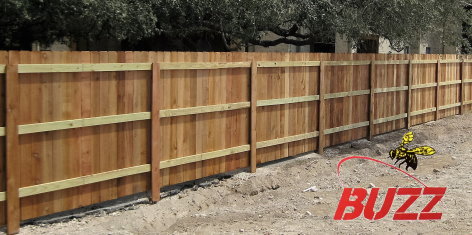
(232,23)
(23,22)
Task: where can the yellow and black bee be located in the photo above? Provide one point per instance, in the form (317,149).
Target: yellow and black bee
(409,155)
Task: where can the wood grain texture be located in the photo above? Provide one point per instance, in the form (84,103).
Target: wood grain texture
(427,85)
(3,60)
(450,61)
(83,180)
(438,79)
(155,135)
(278,64)
(450,94)
(390,103)
(346,94)
(462,88)
(449,83)
(142,85)
(424,61)
(423,98)
(291,100)
(83,122)
(253,135)
(410,85)
(321,109)
(345,128)
(85,140)
(13,164)
(391,89)
(74,68)
(391,62)
(206,65)
(288,139)
(391,118)
(371,100)
(351,109)
(344,63)
(423,111)
(203,156)
(203,109)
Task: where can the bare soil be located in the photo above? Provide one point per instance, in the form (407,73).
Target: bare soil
(272,200)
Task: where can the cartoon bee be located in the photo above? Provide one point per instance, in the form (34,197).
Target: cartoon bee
(409,155)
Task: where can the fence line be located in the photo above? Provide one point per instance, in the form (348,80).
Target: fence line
(206,117)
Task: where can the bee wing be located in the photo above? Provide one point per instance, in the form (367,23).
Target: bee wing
(407,138)
(424,150)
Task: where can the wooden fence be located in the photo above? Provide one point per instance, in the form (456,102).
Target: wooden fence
(80,128)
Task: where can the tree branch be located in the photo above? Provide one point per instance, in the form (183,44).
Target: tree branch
(223,38)
(225,43)
(295,42)
(292,32)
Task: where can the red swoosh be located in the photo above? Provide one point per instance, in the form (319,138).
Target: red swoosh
(378,161)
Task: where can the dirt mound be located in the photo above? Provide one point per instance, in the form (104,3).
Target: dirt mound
(275,199)
(255,186)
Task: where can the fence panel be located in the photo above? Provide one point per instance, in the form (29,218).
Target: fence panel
(423,98)
(390,99)
(204,133)
(69,153)
(302,116)
(347,92)
(449,90)
(287,106)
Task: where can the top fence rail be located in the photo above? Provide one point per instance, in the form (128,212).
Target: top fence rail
(117,67)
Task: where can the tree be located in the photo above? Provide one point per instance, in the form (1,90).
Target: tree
(46,21)
(467,33)
(228,24)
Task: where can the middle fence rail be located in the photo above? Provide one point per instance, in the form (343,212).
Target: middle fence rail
(86,127)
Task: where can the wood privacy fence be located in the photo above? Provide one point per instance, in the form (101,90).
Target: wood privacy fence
(80,128)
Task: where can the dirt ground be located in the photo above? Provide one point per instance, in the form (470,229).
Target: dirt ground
(272,200)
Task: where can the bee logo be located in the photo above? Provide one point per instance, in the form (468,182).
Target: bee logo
(409,155)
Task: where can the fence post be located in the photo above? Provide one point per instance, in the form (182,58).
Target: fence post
(12,147)
(321,113)
(155,140)
(410,79)
(462,88)
(438,76)
(253,136)
(371,100)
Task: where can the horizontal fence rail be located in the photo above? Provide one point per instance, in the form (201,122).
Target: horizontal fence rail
(75,68)
(84,122)
(137,121)
(203,156)
(203,109)
(292,100)
(390,89)
(84,180)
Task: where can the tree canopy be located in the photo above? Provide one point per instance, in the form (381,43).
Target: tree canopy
(230,24)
